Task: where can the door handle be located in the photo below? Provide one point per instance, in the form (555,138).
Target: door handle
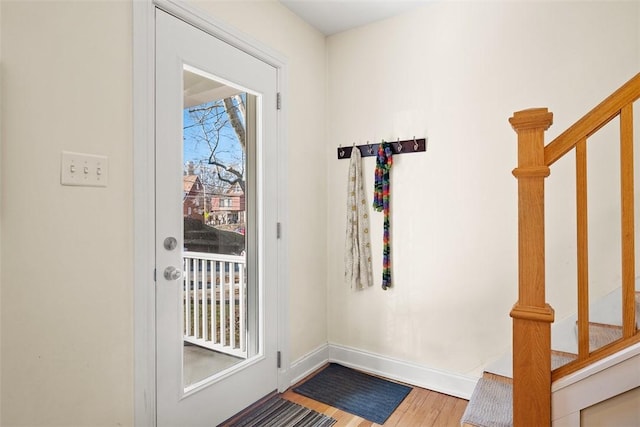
(172,273)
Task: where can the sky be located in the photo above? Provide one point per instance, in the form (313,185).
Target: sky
(197,149)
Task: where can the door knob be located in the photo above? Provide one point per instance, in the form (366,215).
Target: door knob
(172,273)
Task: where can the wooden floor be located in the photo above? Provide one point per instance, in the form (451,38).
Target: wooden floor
(420,408)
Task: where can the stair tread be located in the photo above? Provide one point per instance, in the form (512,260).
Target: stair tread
(497,377)
(491,404)
(601,334)
(561,358)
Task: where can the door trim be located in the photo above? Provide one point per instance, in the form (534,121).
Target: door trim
(144,199)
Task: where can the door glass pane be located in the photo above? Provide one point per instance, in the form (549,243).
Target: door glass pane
(217,143)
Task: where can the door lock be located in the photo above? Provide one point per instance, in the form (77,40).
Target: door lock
(172,273)
(170,243)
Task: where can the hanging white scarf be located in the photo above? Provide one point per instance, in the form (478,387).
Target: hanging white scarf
(358,271)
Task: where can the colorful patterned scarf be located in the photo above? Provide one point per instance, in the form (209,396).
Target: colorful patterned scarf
(382,183)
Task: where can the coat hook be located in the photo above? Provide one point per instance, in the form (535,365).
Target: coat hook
(341,152)
(370,148)
(399,147)
(415,144)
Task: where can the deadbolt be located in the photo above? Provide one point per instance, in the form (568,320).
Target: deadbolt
(170,243)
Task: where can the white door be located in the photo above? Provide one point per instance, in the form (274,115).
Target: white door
(216,219)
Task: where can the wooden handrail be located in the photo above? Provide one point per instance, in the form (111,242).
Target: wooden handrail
(599,116)
(532,316)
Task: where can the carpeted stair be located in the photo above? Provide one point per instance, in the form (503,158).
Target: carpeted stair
(601,334)
(491,403)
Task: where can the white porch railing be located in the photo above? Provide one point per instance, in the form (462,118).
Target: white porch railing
(215,302)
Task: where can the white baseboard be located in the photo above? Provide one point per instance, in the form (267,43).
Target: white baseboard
(409,373)
(308,363)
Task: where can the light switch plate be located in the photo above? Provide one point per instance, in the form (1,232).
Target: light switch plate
(86,170)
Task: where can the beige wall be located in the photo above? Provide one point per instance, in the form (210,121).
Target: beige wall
(67,304)
(67,286)
(455,72)
(304,48)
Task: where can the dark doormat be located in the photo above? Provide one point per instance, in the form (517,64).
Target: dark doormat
(355,392)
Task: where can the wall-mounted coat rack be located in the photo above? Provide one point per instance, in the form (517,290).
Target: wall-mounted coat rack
(399,147)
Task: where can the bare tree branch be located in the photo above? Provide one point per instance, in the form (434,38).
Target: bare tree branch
(238,176)
(210,124)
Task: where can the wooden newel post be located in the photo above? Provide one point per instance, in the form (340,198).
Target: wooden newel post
(532,316)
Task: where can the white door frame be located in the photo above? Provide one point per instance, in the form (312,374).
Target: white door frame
(144,198)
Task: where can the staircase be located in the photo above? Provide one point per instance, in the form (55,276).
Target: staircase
(520,389)
(491,404)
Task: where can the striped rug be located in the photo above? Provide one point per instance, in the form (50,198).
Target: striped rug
(278,412)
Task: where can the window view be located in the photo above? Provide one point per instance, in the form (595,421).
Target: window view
(215,224)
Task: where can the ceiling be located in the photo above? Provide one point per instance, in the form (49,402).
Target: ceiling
(334,16)
(199,88)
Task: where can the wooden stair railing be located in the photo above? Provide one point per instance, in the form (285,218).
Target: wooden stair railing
(532,316)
